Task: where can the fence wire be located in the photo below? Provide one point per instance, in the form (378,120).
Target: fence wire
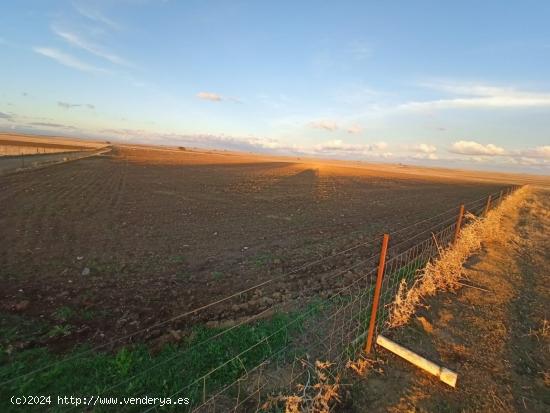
(331,327)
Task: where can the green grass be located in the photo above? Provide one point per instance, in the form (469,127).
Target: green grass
(263,260)
(175,368)
(217,275)
(63,313)
(135,372)
(176,259)
(18,328)
(59,330)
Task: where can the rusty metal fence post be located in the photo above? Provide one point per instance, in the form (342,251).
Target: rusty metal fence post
(377,290)
(458,223)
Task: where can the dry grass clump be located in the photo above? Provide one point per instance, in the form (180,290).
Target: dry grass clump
(317,397)
(362,366)
(444,273)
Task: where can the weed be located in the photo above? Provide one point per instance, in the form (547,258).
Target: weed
(59,330)
(134,371)
(88,314)
(182,275)
(63,313)
(263,260)
(176,259)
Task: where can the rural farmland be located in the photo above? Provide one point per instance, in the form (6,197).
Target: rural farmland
(163,231)
(274,207)
(96,251)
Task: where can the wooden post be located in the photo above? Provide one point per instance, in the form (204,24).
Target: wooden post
(377,290)
(458,223)
(500,196)
(487,206)
(445,375)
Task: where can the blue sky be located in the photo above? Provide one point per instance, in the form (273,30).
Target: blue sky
(461,84)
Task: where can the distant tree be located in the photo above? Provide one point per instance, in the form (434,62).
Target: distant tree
(182,148)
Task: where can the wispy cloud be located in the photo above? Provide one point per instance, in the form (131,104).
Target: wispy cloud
(52,125)
(538,152)
(215,97)
(67,105)
(478,96)
(361,50)
(354,129)
(336,148)
(96,16)
(333,125)
(475,148)
(5,116)
(77,40)
(326,124)
(68,60)
(338,145)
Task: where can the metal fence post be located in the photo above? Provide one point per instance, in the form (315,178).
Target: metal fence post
(458,223)
(377,290)
(488,206)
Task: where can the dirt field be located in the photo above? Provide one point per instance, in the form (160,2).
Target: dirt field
(496,338)
(119,242)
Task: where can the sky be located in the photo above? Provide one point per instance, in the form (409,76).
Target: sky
(456,84)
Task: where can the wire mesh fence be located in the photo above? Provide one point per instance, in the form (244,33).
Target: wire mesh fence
(29,160)
(236,367)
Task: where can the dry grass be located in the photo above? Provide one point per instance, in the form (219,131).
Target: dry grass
(318,395)
(445,273)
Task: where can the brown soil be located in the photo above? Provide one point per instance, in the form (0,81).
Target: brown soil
(162,232)
(496,339)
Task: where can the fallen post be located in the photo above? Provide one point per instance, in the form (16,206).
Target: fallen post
(445,375)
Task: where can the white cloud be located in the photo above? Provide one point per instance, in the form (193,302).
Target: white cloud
(429,156)
(475,148)
(76,40)
(538,152)
(353,129)
(214,97)
(53,125)
(5,116)
(326,124)
(360,50)
(479,96)
(338,145)
(423,148)
(332,125)
(67,60)
(96,16)
(67,105)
